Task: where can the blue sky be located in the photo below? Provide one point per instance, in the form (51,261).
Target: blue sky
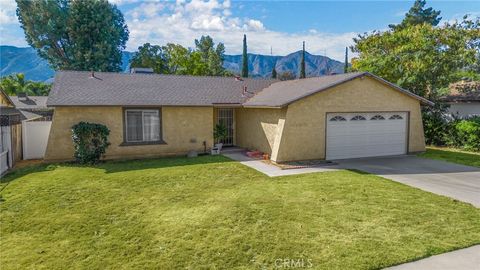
(326,26)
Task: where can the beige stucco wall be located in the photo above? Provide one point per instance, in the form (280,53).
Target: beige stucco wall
(256,129)
(183,128)
(303,134)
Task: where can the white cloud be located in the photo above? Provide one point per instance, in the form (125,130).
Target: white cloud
(148,10)
(160,22)
(122,2)
(7,12)
(184,21)
(459,17)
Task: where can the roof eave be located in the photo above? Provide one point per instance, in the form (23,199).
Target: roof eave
(263,106)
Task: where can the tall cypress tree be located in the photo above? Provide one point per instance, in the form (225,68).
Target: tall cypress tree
(302,63)
(345,69)
(245,58)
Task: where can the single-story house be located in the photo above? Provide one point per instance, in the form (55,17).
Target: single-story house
(464,99)
(331,117)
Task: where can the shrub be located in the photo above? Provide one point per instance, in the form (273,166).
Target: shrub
(466,134)
(435,124)
(90,142)
(219,132)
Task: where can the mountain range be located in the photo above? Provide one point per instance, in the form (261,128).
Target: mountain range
(26,60)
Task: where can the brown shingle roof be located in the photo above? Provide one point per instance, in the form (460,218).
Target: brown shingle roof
(464,91)
(283,93)
(78,88)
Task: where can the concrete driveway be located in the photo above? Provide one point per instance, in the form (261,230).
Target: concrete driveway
(440,177)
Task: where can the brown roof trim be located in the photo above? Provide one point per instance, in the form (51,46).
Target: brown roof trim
(462,98)
(359,75)
(261,107)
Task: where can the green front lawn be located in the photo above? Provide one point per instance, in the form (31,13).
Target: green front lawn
(453,155)
(210,212)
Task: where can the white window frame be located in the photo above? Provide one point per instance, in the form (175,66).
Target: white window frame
(143,125)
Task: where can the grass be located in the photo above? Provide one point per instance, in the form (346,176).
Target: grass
(453,155)
(210,212)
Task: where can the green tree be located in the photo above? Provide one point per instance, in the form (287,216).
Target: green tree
(421,58)
(210,56)
(16,83)
(150,56)
(245,58)
(418,14)
(302,63)
(205,60)
(75,35)
(345,68)
(274,73)
(180,60)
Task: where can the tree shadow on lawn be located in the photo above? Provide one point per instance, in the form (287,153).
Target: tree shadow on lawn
(115,166)
(17,173)
(157,163)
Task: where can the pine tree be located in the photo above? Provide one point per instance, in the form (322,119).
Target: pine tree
(418,14)
(302,63)
(274,73)
(345,69)
(245,58)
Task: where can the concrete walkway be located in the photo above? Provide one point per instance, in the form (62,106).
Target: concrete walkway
(272,170)
(462,259)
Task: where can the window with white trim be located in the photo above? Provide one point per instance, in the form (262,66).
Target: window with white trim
(142,125)
(338,118)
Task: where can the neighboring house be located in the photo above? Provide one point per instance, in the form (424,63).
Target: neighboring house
(331,117)
(464,99)
(10,133)
(33,104)
(24,129)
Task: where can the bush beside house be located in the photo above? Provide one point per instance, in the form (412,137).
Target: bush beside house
(459,133)
(90,142)
(465,134)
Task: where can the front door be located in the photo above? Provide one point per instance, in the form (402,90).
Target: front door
(225,116)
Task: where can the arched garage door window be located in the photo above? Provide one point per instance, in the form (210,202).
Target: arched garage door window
(395,117)
(358,118)
(338,118)
(377,117)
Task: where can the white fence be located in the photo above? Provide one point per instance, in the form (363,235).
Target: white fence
(35,138)
(5,148)
(3,162)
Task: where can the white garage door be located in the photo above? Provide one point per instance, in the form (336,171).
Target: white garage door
(354,135)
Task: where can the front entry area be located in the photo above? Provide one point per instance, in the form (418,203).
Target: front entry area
(226,117)
(356,135)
